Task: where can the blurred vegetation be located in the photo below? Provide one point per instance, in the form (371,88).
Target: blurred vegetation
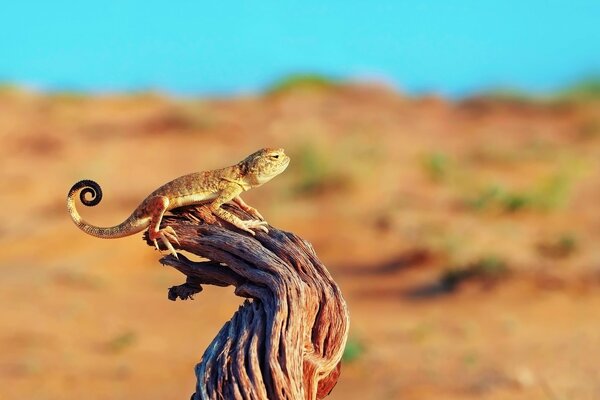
(354,349)
(9,88)
(488,268)
(534,149)
(121,342)
(317,170)
(585,89)
(305,81)
(550,194)
(562,246)
(511,94)
(436,166)
(323,167)
(68,96)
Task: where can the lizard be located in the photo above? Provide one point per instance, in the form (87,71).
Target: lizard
(215,188)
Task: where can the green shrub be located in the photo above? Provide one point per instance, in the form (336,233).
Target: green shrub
(317,171)
(549,194)
(305,81)
(353,350)
(489,195)
(121,342)
(436,166)
(585,89)
(563,246)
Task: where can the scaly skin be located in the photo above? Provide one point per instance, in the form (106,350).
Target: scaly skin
(215,187)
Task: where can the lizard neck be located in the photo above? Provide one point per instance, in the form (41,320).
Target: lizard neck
(245,185)
(249,177)
(239,174)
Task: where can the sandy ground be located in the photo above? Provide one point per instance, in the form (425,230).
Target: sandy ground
(464,236)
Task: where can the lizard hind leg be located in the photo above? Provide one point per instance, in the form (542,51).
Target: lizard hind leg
(155,208)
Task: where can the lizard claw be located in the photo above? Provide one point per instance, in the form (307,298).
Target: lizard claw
(166,235)
(168,244)
(255,224)
(171,234)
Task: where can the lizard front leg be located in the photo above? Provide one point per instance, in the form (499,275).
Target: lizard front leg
(249,209)
(229,192)
(155,208)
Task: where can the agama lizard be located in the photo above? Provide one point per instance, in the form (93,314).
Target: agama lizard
(215,187)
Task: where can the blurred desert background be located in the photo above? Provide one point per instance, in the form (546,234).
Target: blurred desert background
(460,221)
(464,235)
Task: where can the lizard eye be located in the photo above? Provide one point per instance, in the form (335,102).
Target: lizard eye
(275,156)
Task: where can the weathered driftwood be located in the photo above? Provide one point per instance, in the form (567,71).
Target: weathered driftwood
(287,339)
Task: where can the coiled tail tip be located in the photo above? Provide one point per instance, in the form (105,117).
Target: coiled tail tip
(86,187)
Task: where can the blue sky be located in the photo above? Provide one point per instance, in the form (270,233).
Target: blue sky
(193,47)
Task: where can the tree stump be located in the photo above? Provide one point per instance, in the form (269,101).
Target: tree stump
(287,339)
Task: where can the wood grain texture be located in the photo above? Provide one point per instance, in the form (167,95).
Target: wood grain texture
(287,339)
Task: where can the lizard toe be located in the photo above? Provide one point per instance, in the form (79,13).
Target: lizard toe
(169,229)
(171,236)
(168,244)
(255,224)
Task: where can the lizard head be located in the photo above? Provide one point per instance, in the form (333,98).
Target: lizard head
(263,165)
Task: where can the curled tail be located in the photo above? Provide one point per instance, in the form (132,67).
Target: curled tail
(128,227)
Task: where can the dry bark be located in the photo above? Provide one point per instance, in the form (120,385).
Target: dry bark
(287,339)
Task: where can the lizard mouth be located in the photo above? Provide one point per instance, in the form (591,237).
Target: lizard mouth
(285,164)
(281,166)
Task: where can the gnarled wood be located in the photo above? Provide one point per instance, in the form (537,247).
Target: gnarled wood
(286,340)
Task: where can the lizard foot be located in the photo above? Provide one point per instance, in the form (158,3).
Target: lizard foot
(254,224)
(166,235)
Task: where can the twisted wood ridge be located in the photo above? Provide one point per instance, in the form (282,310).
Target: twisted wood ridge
(286,340)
